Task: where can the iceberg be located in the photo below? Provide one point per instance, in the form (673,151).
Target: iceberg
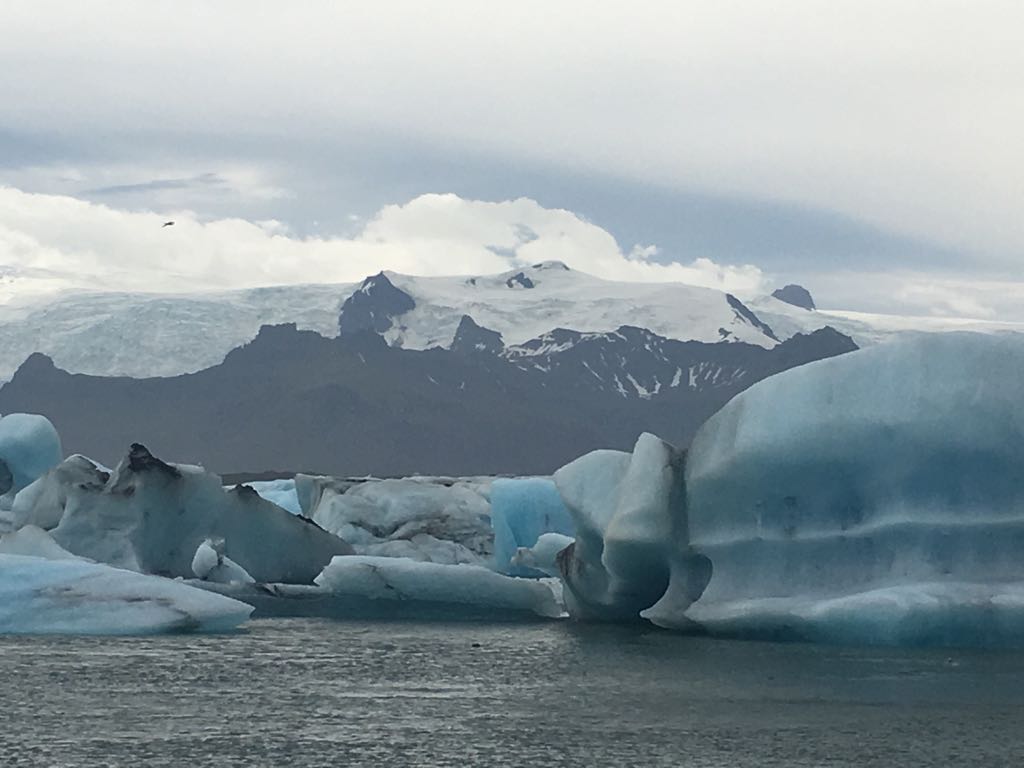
(210,564)
(42,503)
(280,492)
(420,585)
(426,519)
(631,536)
(522,510)
(72,596)
(873,498)
(542,557)
(877,497)
(151,517)
(29,447)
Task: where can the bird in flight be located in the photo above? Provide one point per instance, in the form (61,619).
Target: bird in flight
(167,224)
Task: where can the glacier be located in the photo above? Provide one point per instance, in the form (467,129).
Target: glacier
(522,510)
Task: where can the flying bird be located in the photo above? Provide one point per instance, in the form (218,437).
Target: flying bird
(167,224)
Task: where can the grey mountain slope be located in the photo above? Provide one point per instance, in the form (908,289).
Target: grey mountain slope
(353,405)
(743,312)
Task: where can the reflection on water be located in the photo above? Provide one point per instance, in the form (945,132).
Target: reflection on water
(310,693)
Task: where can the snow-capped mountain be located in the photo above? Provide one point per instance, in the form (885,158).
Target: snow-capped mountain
(122,334)
(396,375)
(637,363)
(523,304)
(119,334)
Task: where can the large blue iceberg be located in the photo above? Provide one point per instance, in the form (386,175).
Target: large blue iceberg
(876,497)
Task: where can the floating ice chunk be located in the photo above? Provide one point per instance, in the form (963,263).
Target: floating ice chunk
(542,556)
(210,564)
(419,518)
(630,516)
(29,447)
(522,509)
(151,516)
(44,596)
(399,579)
(875,497)
(206,559)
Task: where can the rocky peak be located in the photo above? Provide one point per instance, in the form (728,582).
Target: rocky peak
(796,295)
(471,338)
(374,306)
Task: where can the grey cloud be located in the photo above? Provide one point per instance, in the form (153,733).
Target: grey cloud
(155,185)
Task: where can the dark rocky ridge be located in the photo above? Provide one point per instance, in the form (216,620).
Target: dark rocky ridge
(353,405)
(744,312)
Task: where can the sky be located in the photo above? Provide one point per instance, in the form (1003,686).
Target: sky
(868,150)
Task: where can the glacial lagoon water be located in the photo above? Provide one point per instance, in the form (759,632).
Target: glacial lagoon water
(302,692)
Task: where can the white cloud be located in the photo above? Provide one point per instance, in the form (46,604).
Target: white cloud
(92,246)
(51,243)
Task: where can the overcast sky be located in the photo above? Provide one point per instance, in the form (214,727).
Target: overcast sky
(869,150)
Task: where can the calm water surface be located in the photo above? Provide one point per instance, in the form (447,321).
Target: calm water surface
(292,692)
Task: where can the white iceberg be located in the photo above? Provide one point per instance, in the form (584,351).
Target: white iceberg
(417,584)
(428,519)
(42,503)
(522,510)
(211,564)
(874,497)
(45,596)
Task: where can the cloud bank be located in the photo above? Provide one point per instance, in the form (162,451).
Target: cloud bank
(905,115)
(53,242)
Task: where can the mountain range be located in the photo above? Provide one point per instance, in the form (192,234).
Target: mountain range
(516,373)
